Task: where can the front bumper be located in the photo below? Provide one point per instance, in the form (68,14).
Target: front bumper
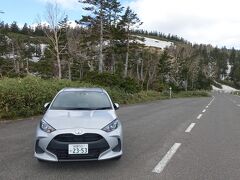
(102,145)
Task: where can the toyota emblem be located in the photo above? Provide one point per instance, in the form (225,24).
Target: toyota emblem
(79,132)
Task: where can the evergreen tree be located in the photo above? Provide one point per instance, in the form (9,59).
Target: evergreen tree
(113,33)
(38,31)
(232,56)
(25,30)
(164,66)
(98,21)
(129,20)
(14,27)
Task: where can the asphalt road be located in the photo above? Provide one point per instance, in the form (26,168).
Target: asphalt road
(179,139)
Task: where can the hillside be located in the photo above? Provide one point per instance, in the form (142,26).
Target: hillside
(154,60)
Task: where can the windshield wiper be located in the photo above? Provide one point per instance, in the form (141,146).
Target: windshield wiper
(102,108)
(81,108)
(77,108)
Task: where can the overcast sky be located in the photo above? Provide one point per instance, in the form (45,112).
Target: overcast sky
(215,22)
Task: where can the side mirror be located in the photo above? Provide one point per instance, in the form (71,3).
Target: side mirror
(116,106)
(46,105)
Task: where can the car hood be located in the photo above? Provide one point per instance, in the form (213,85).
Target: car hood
(65,119)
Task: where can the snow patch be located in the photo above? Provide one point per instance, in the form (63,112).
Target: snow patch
(225,89)
(229,69)
(150,42)
(35,59)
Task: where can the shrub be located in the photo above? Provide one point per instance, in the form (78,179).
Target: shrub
(114,81)
(192,94)
(25,97)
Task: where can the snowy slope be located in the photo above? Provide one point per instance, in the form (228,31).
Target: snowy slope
(225,89)
(229,69)
(156,43)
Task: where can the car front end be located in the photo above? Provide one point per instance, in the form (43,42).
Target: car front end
(82,135)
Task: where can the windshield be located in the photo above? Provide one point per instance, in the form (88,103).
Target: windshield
(79,100)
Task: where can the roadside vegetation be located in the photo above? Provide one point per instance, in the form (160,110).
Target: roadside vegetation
(24,97)
(106,49)
(237,93)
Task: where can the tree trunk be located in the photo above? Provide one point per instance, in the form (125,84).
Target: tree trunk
(69,70)
(127,56)
(113,63)
(59,66)
(148,81)
(58,56)
(100,68)
(80,71)
(138,75)
(14,60)
(17,66)
(142,71)
(27,65)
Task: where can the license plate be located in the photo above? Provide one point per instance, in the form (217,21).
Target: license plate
(78,149)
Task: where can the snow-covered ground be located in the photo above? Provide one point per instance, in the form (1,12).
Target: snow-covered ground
(156,43)
(229,69)
(225,89)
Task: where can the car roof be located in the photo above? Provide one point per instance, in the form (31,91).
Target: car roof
(83,89)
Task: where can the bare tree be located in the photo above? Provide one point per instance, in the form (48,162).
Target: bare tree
(53,16)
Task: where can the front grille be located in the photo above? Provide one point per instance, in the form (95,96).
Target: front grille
(96,145)
(63,154)
(78,138)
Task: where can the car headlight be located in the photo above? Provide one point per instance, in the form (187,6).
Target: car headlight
(111,126)
(46,127)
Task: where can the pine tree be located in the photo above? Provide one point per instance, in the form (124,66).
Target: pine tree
(232,56)
(128,21)
(14,27)
(98,9)
(25,30)
(113,33)
(164,66)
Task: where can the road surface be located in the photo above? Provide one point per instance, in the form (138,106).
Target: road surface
(178,139)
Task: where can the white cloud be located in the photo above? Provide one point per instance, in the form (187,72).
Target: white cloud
(66,4)
(214,22)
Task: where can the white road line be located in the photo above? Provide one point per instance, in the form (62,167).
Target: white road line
(211,101)
(206,107)
(199,116)
(204,111)
(191,126)
(161,165)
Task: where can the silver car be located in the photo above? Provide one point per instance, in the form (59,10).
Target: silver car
(79,124)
